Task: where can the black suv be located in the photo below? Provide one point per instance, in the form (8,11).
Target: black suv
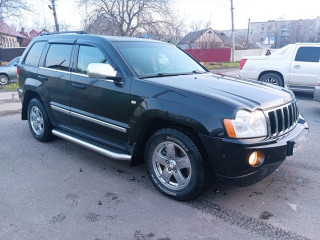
(148,101)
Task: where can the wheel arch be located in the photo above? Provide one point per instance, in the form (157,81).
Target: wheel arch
(160,123)
(274,72)
(26,99)
(4,73)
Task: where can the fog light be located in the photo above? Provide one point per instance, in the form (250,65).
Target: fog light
(256,158)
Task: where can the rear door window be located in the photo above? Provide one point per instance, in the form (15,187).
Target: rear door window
(87,55)
(308,54)
(34,54)
(58,57)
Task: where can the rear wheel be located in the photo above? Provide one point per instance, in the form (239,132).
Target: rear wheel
(4,79)
(272,78)
(39,123)
(175,165)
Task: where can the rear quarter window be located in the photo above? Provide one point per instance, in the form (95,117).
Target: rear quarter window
(58,56)
(308,54)
(34,54)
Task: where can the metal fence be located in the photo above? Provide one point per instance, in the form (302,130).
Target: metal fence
(7,54)
(211,55)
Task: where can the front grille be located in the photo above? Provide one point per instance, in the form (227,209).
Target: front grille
(282,119)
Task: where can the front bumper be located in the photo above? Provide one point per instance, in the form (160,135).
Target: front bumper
(229,157)
(316,93)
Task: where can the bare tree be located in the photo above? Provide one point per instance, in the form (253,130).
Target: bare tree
(172,30)
(101,26)
(12,8)
(127,17)
(199,25)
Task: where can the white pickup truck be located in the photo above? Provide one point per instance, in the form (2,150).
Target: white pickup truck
(296,66)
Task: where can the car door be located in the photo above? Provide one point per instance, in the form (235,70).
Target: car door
(305,67)
(54,74)
(99,107)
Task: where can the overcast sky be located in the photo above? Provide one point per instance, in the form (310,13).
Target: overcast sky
(194,10)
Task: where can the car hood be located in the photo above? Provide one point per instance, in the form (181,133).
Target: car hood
(235,92)
(4,67)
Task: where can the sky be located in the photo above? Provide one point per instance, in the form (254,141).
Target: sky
(218,11)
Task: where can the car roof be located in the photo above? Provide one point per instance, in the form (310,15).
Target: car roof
(307,44)
(68,37)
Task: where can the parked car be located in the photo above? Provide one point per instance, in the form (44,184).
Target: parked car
(316,92)
(148,101)
(295,66)
(8,72)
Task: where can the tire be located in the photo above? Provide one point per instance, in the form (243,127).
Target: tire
(175,165)
(38,120)
(272,78)
(4,80)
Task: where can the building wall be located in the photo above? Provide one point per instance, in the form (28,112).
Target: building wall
(285,31)
(239,54)
(318,29)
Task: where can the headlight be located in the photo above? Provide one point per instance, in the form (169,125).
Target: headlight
(246,125)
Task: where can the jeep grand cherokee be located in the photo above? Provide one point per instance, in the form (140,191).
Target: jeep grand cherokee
(143,100)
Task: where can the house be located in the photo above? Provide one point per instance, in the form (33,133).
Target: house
(33,33)
(29,35)
(9,38)
(204,39)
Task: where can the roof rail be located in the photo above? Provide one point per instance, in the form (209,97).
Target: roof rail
(75,32)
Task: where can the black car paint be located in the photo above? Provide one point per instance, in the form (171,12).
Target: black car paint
(195,102)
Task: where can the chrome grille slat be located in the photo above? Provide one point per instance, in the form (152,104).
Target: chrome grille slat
(297,113)
(286,109)
(282,119)
(290,108)
(294,112)
(276,121)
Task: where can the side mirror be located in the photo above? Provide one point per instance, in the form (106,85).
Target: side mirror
(16,64)
(103,71)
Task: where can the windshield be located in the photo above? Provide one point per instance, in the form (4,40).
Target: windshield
(15,60)
(150,59)
(282,51)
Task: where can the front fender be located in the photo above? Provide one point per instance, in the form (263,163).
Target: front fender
(153,110)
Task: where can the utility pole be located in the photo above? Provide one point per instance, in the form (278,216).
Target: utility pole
(232,33)
(53,8)
(247,42)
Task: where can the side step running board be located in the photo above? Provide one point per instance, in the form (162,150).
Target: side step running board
(103,151)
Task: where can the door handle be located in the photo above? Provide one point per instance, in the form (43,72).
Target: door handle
(42,78)
(79,85)
(297,66)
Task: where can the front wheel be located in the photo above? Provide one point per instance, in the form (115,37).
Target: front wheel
(272,78)
(4,79)
(38,120)
(175,165)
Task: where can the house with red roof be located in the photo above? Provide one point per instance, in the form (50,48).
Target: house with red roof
(9,38)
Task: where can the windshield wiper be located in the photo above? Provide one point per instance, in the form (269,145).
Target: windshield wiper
(165,75)
(198,72)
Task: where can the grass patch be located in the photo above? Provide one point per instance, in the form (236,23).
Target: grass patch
(11,87)
(220,65)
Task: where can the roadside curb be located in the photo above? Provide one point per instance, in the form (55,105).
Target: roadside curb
(9,103)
